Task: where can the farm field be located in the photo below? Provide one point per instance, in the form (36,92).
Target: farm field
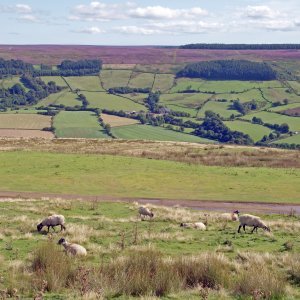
(84,83)
(141,80)
(57,79)
(112,102)
(295,85)
(64,97)
(284,107)
(83,124)
(24,121)
(255,131)
(190,100)
(98,227)
(115,78)
(7,83)
(295,139)
(275,95)
(25,133)
(247,96)
(221,108)
(274,118)
(163,82)
(147,132)
(119,176)
(115,121)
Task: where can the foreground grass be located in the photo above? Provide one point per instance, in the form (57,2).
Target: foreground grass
(127,257)
(138,177)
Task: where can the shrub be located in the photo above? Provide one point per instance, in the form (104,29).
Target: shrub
(258,281)
(50,264)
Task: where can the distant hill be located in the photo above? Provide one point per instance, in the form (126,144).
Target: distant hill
(241,46)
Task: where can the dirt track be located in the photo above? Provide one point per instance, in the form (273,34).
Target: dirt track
(259,207)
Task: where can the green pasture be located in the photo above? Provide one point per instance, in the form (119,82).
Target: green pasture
(281,94)
(225,86)
(147,132)
(141,80)
(112,102)
(284,107)
(255,131)
(295,85)
(136,97)
(85,83)
(8,82)
(64,97)
(137,177)
(247,96)
(115,78)
(81,124)
(221,108)
(294,139)
(57,79)
(274,118)
(163,82)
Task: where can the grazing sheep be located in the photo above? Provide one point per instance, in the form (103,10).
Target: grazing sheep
(229,216)
(197,225)
(52,221)
(252,221)
(73,249)
(144,212)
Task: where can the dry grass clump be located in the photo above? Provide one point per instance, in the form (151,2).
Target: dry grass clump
(52,266)
(260,282)
(291,263)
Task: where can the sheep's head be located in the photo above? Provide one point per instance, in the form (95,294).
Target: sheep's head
(266,228)
(61,241)
(236,212)
(39,227)
(151,214)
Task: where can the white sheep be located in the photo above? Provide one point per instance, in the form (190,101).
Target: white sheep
(197,225)
(73,249)
(51,221)
(145,212)
(252,221)
(229,216)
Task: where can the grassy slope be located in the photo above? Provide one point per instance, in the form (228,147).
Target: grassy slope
(163,82)
(255,131)
(85,83)
(274,118)
(64,97)
(141,80)
(57,79)
(78,124)
(221,108)
(137,177)
(24,121)
(295,139)
(147,132)
(115,78)
(275,95)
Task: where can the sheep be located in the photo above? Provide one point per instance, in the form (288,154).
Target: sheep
(73,249)
(52,221)
(250,220)
(229,216)
(144,212)
(197,225)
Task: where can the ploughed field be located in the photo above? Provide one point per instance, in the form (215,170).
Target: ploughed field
(191,96)
(129,258)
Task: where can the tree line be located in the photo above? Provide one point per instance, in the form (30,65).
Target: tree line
(228,70)
(217,46)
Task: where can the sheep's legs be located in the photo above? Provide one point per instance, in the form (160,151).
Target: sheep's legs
(244,227)
(240,226)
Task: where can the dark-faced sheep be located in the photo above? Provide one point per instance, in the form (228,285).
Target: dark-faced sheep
(145,212)
(73,249)
(52,221)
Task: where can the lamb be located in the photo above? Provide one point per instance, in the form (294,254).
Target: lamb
(197,225)
(73,249)
(229,216)
(250,220)
(52,221)
(144,212)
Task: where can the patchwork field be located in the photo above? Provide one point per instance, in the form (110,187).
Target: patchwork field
(295,139)
(24,121)
(146,132)
(83,124)
(112,102)
(221,108)
(85,83)
(141,80)
(115,121)
(25,133)
(275,95)
(57,79)
(115,78)
(274,118)
(255,131)
(64,97)
(163,82)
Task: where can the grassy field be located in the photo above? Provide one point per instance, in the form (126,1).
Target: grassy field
(284,107)
(24,121)
(295,139)
(112,102)
(274,118)
(115,78)
(295,85)
(82,124)
(116,121)
(85,83)
(120,243)
(255,131)
(141,80)
(147,132)
(221,108)
(137,177)
(243,97)
(188,100)
(275,95)
(64,97)
(7,83)
(221,86)
(163,82)
(57,79)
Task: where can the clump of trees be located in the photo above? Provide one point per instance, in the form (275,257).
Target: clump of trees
(245,107)
(214,128)
(14,67)
(228,70)
(128,90)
